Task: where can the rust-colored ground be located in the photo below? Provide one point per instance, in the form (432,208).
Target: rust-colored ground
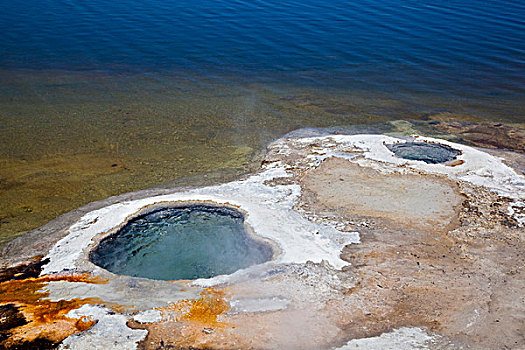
(29,318)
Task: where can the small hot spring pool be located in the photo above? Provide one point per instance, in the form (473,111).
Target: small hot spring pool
(196,241)
(429,153)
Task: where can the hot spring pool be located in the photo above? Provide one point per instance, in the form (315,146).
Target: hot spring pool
(196,241)
(429,153)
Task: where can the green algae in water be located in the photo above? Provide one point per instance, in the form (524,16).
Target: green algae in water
(63,132)
(427,152)
(182,243)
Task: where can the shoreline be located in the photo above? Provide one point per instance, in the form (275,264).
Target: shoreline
(509,138)
(296,188)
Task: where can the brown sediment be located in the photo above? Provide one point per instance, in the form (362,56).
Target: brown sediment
(45,321)
(404,200)
(460,273)
(10,317)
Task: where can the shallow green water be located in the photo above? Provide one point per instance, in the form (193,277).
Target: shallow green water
(69,138)
(181,243)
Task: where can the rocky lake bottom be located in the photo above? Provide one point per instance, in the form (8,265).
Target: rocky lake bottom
(71,138)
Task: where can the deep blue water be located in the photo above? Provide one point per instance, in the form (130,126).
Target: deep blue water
(410,45)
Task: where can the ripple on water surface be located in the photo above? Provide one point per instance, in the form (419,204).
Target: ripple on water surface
(182,243)
(424,45)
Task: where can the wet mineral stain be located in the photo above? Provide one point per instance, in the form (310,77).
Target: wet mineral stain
(205,309)
(10,317)
(189,324)
(28,269)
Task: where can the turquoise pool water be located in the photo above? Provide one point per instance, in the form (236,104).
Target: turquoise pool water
(181,243)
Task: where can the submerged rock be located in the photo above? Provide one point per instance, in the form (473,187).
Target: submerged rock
(486,135)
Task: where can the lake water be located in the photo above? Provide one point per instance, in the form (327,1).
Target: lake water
(102,97)
(434,46)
